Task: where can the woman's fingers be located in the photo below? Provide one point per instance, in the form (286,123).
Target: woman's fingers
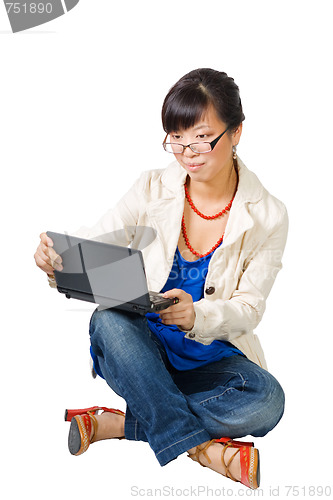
(181,314)
(46,257)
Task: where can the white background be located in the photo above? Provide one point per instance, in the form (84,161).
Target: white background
(80,101)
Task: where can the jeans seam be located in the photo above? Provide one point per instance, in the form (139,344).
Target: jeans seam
(159,346)
(158,350)
(219,373)
(216,396)
(226,390)
(180,441)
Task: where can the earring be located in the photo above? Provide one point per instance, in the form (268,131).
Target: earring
(234,153)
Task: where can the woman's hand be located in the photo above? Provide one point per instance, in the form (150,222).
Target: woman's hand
(181,314)
(45,257)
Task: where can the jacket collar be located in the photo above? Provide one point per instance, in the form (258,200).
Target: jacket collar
(249,187)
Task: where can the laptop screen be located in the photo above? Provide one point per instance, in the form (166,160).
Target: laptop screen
(101,270)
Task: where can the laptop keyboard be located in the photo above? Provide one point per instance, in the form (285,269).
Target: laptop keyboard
(156,298)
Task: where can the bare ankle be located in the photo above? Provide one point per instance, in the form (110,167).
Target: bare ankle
(109,426)
(192,451)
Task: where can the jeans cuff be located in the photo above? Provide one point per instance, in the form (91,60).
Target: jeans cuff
(133,430)
(174,450)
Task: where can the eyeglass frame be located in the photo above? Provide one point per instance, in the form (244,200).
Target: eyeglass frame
(211,144)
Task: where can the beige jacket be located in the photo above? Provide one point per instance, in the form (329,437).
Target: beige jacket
(242,270)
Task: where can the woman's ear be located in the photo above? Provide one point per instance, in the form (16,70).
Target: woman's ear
(237,135)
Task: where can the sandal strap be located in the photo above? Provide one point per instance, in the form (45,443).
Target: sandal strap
(249,463)
(94,425)
(108,410)
(227,465)
(235,444)
(198,452)
(69,414)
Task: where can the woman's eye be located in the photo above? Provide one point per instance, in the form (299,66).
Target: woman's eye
(202,136)
(176,137)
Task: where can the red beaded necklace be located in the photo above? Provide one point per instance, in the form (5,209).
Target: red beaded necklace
(207,217)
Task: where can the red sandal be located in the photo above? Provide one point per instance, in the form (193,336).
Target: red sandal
(249,460)
(82,422)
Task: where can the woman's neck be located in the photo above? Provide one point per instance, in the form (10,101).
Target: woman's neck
(221,187)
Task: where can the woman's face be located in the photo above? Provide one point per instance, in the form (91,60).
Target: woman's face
(207,167)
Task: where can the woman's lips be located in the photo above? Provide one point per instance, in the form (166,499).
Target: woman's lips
(193,167)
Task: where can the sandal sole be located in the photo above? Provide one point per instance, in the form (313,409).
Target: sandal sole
(254,477)
(258,469)
(74,438)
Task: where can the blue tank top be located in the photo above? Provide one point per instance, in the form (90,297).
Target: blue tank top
(183,353)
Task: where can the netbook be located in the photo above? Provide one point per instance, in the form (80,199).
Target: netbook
(107,274)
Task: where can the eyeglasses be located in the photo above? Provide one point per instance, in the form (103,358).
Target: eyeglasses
(196,147)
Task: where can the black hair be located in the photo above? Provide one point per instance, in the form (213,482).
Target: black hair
(189,98)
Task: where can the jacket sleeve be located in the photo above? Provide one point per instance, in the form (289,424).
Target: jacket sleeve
(228,319)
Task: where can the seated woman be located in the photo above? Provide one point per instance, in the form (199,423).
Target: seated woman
(194,376)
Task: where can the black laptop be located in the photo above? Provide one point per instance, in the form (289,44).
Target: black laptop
(107,274)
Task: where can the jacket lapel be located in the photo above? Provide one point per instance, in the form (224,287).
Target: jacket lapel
(239,222)
(249,192)
(165,217)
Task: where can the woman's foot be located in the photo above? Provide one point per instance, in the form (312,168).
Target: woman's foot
(87,427)
(212,459)
(231,459)
(109,426)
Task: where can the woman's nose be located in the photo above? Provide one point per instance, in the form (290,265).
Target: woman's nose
(188,152)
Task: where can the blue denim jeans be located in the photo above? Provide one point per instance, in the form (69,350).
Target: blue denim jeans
(177,410)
